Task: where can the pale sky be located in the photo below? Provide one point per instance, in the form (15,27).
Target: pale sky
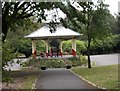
(113,6)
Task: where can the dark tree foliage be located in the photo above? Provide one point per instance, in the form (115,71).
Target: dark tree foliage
(16,16)
(15,13)
(118,23)
(92,20)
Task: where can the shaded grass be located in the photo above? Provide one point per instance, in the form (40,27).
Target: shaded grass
(28,83)
(28,76)
(25,72)
(104,76)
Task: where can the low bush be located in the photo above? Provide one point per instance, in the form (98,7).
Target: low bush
(75,61)
(83,60)
(25,64)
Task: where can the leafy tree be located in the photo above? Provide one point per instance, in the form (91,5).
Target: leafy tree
(118,38)
(15,43)
(7,55)
(106,45)
(17,40)
(24,47)
(16,13)
(113,22)
(66,45)
(40,46)
(17,16)
(97,26)
(93,20)
(118,23)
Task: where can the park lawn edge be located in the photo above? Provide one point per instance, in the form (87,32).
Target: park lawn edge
(86,80)
(94,83)
(30,80)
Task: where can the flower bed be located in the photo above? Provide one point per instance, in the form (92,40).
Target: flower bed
(60,63)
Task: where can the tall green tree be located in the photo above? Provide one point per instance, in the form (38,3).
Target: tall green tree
(118,23)
(97,25)
(91,19)
(16,13)
(15,44)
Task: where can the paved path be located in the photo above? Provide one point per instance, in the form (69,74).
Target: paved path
(108,59)
(61,78)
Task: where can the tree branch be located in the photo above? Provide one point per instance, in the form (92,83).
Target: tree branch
(17,8)
(23,12)
(6,11)
(26,16)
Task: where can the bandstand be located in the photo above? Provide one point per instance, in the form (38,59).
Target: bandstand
(61,33)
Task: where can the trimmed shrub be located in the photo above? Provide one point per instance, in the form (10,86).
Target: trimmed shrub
(67,46)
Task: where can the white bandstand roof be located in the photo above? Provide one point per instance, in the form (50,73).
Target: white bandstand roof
(61,32)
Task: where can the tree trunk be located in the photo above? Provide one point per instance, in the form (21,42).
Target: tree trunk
(88,47)
(88,53)
(89,40)
(89,37)
(5,28)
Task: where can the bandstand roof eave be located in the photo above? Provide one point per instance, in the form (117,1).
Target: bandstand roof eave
(51,37)
(60,33)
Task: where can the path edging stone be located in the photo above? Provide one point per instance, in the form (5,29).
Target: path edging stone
(33,86)
(87,80)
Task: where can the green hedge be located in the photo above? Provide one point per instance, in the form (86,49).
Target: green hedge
(67,46)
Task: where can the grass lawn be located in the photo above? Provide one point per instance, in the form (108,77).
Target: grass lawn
(104,76)
(24,78)
(27,84)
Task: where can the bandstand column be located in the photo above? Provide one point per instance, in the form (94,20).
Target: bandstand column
(47,48)
(61,49)
(74,47)
(34,48)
